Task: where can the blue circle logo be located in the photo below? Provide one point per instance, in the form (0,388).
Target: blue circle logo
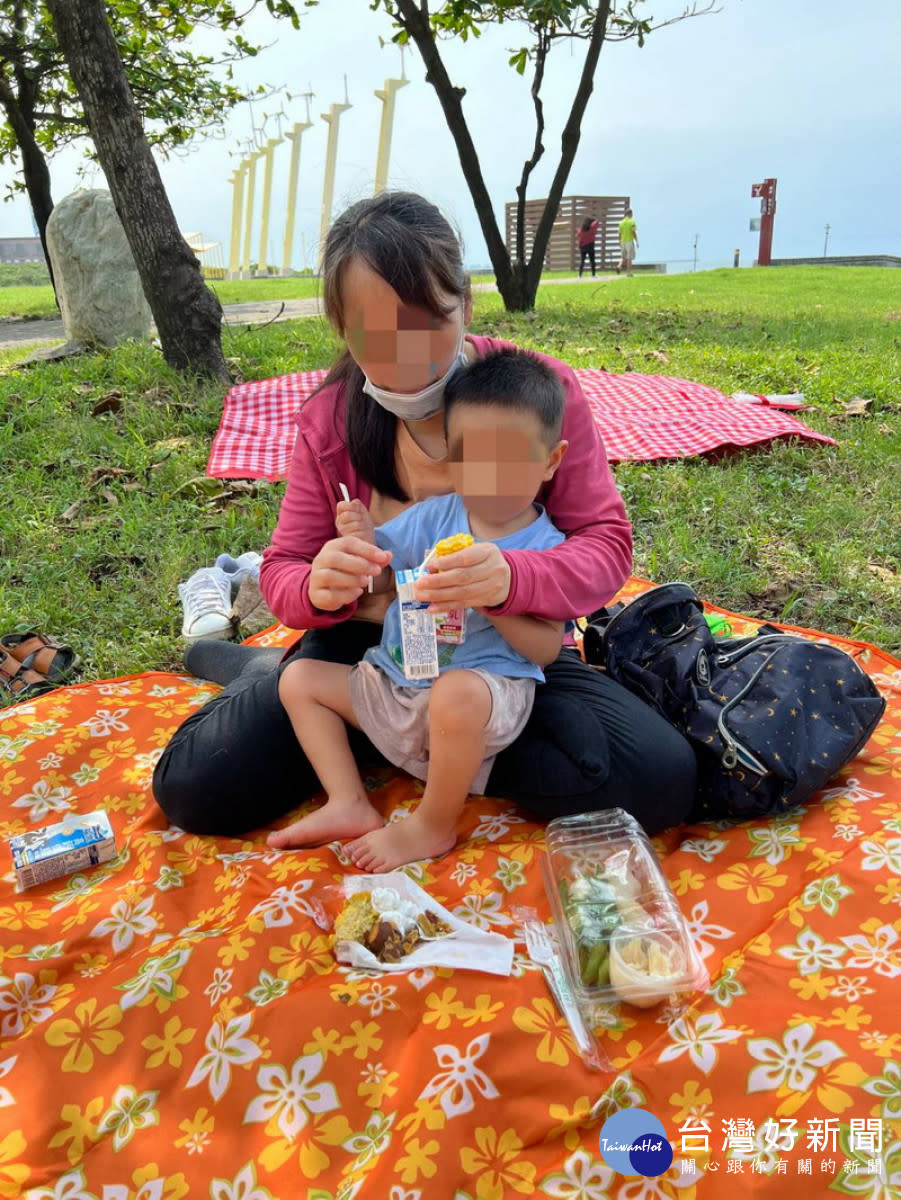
(633,1142)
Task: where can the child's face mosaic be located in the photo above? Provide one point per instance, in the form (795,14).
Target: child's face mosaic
(498,459)
(397,346)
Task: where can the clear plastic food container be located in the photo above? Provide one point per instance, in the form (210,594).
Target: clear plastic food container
(621,933)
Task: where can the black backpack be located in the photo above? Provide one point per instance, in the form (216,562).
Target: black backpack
(771,717)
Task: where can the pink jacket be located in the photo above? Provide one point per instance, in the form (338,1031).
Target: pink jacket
(571,580)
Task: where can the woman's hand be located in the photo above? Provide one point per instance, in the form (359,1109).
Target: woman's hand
(341,571)
(477,577)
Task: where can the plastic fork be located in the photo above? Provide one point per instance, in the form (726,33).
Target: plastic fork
(541,951)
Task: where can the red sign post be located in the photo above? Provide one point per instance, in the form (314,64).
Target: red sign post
(766,191)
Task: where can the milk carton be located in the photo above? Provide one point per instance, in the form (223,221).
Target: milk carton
(71,845)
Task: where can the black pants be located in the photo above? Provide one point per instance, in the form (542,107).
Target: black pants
(586,252)
(235,764)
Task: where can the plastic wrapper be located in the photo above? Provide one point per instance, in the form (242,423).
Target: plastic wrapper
(401,920)
(622,937)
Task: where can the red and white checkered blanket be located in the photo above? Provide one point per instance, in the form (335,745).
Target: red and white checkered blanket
(641,417)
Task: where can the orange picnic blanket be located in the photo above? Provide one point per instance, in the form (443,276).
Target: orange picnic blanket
(174,1023)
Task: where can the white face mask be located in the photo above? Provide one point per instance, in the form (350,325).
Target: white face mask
(416,406)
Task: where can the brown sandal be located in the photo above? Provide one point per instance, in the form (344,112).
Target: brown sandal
(19,682)
(42,653)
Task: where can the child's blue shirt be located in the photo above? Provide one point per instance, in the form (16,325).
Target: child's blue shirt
(409,536)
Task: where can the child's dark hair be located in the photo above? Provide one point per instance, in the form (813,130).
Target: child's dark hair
(511,379)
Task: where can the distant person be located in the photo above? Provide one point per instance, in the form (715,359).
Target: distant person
(628,242)
(586,237)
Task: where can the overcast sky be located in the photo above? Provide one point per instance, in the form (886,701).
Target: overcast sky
(808,91)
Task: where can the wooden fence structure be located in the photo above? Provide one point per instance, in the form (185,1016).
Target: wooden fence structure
(563,251)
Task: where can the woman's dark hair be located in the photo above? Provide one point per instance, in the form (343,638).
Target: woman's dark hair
(407,241)
(587,223)
(512,379)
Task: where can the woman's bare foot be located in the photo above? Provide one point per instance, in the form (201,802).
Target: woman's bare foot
(336,821)
(400,842)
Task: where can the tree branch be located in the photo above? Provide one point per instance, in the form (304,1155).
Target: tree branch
(544,45)
(60,119)
(569,142)
(410,17)
(634,28)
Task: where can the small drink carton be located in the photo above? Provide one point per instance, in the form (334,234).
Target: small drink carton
(450,626)
(61,849)
(419,644)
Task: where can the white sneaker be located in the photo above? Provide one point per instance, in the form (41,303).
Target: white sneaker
(245,566)
(207,599)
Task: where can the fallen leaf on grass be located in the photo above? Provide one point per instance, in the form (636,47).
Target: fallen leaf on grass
(235,370)
(106,474)
(884,573)
(199,486)
(660,355)
(111,402)
(857,406)
(173,443)
(247,486)
(157,395)
(216,493)
(70,513)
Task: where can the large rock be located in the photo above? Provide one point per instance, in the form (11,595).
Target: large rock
(97,283)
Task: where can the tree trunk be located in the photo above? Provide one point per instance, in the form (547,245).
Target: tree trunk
(520,289)
(35,171)
(569,141)
(450,98)
(516,280)
(188,316)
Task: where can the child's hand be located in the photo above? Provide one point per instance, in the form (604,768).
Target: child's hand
(352,519)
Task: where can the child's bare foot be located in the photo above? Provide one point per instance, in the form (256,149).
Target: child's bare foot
(337,820)
(400,842)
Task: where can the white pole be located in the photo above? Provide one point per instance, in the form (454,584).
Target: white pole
(269,155)
(294,138)
(331,118)
(386,95)
(234,257)
(248,226)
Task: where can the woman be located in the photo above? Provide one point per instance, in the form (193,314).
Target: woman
(587,234)
(395,289)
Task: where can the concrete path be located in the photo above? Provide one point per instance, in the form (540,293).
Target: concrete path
(15,331)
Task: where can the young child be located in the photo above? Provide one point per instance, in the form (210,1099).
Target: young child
(503,415)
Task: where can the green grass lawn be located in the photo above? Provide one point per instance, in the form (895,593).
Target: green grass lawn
(104,514)
(38,301)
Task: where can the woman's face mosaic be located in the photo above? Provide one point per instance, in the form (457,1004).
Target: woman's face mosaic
(399,347)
